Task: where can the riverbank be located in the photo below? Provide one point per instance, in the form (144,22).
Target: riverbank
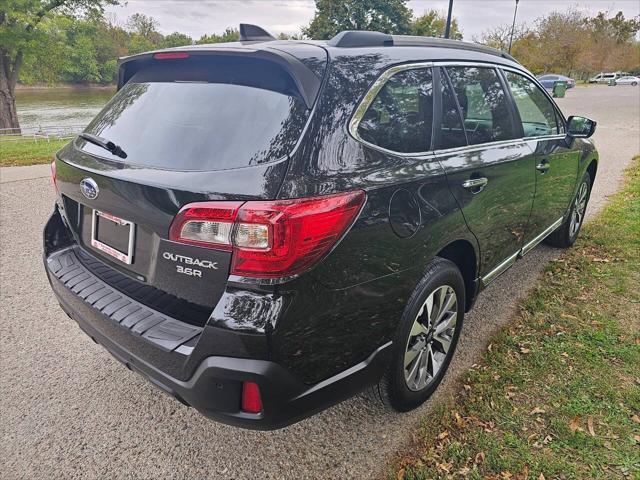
(65,86)
(556,394)
(28,151)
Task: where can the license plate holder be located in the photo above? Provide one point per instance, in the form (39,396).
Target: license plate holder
(117,228)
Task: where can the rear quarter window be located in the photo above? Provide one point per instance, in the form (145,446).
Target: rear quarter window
(401,115)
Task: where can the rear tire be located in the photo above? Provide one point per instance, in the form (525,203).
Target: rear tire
(426,338)
(567,233)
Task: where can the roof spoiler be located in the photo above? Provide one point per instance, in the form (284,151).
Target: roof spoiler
(307,82)
(254,33)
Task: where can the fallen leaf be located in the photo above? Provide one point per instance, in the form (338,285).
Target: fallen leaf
(600,260)
(445,467)
(464,471)
(536,411)
(541,477)
(574,424)
(443,435)
(566,315)
(479,457)
(524,350)
(590,426)
(635,418)
(401,474)
(565,354)
(506,474)
(636,438)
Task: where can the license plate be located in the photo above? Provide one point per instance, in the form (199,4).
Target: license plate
(113,235)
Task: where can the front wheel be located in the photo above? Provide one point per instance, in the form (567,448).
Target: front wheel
(426,338)
(567,233)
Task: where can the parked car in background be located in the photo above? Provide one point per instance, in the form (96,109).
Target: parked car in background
(628,80)
(549,80)
(606,77)
(265,228)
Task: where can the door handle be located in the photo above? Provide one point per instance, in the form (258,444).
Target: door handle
(475,184)
(543,166)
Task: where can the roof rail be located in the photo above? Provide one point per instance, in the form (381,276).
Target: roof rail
(416,41)
(362,38)
(254,33)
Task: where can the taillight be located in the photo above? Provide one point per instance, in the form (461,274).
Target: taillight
(269,239)
(205,224)
(170,55)
(251,400)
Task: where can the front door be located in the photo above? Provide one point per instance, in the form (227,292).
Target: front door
(490,171)
(556,164)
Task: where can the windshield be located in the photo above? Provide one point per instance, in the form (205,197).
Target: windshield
(218,114)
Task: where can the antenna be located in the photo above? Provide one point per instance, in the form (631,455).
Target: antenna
(254,33)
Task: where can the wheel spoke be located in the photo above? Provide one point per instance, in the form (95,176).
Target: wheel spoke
(412,373)
(418,328)
(410,356)
(424,372)
(449,303)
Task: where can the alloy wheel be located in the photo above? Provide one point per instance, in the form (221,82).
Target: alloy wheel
(579,207)
(431,337)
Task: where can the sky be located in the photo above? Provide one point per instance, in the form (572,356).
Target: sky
(199,17)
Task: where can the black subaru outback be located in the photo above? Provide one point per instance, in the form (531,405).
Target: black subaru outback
(264,228)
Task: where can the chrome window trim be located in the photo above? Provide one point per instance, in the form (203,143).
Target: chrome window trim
(373,91)
(479,146)
(371,95)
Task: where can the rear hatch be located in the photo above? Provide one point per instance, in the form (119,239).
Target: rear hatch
(194,127)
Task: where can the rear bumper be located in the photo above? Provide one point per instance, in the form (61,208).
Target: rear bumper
(214,387)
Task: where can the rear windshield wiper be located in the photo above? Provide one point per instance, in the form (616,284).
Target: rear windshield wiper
(104,143)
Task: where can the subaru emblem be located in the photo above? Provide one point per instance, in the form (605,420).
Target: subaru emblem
(89,188)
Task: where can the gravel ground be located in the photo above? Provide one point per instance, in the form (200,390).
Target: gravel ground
(69,410)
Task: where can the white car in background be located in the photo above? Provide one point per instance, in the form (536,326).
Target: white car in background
(628,80)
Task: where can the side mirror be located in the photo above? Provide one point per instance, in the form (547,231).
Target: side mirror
(580,127)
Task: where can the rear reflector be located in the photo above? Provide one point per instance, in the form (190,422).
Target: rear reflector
(170,55)
(269,239)
(251,401)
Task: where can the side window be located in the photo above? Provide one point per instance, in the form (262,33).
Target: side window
(400,117)
(537,113)
(451,133)
(484,104)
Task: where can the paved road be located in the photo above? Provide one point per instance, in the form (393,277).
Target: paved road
(69,410)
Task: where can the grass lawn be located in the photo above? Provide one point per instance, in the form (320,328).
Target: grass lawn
(557,395)
(28,152)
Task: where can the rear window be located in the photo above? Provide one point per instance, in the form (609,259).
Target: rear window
(202,113)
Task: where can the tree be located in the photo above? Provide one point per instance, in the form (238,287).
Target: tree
(498,37)
(229,35)
(19,21)
(143,25)
(333,16)
(176,39)
(433,24)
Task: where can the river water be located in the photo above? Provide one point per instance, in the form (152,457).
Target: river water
(52,108)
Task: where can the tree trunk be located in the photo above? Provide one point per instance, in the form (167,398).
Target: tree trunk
(8,79)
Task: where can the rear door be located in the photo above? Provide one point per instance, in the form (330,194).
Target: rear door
(556,163)
(489,170)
